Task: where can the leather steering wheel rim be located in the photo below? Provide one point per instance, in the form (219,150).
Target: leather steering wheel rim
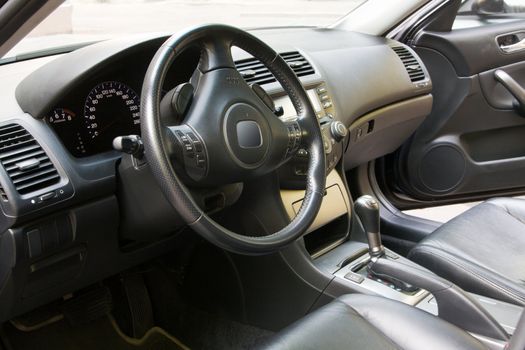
(216,42)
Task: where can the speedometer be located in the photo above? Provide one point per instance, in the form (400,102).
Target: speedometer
(112,109)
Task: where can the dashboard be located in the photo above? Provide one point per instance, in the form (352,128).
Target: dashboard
(77,103)
(80,199)
(107,104)
(91,95)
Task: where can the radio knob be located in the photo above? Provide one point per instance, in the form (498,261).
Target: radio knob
(338,130)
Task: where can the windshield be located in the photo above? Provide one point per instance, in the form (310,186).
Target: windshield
(79,21)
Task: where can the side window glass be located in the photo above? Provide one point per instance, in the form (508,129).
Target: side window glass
(473,13)
(491,7)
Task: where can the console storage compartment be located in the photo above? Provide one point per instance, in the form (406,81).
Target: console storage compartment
(331,224)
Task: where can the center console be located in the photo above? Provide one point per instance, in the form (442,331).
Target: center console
(366,266)
(358,267)
(293,174)
(351,275)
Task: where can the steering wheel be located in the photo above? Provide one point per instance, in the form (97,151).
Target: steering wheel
(229,133)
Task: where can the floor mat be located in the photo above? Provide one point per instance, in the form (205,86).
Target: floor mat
(195,327)
(201,330)
(100,335)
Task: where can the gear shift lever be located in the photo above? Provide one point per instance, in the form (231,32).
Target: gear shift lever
(367,208)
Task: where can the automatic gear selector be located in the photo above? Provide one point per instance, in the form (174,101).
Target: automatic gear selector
(367,209)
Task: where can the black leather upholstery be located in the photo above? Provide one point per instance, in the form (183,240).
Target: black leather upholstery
(481,250)
(360,321)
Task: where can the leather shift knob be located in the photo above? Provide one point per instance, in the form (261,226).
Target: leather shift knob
(367,208)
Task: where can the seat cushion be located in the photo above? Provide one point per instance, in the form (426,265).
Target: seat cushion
(360,321)
(481,250)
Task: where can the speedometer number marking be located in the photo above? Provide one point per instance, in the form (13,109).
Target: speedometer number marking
(111,106)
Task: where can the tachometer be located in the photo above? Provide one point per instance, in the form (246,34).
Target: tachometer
(65,124)
(60,115)
(112,109)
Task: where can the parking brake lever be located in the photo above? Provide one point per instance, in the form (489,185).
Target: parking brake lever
(454,305)
(514,88)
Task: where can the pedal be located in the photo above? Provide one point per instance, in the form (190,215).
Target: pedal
(38,318)
(88,306)
(139,304)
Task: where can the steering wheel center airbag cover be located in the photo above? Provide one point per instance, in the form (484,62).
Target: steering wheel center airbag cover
(247,135)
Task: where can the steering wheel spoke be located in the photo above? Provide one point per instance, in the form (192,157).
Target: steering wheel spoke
(216,52)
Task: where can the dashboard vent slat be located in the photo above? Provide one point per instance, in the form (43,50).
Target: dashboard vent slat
(412,66)
(253,71)
(25,162)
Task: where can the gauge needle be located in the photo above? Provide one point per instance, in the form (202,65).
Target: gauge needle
(106,127)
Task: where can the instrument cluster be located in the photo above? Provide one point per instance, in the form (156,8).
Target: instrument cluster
(110,109)
(106,103)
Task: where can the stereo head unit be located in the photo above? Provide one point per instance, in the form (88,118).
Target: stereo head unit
(321,101)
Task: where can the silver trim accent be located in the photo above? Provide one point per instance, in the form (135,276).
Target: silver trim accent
(514,47)
(378,288)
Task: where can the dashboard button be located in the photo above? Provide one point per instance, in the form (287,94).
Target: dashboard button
(200,161)
(391,255)
(46,196)
(193,137)
(338,130)
(354,277)
(198,146)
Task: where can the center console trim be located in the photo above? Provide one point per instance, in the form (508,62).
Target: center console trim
(370,286)
(335,202)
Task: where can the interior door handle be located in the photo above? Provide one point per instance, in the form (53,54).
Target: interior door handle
(520,45)
(514,88)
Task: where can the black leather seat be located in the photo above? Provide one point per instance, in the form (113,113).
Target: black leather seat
(481,250)
(367,322)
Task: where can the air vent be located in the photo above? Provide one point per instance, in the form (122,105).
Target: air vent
(26,163)
(253,71)
(298,63)
(414,70)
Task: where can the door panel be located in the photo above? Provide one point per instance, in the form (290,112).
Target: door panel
(473,143)
(473,50)
(495,93)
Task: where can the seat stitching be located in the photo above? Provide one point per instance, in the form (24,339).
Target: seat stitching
(507,290)
(506,210)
